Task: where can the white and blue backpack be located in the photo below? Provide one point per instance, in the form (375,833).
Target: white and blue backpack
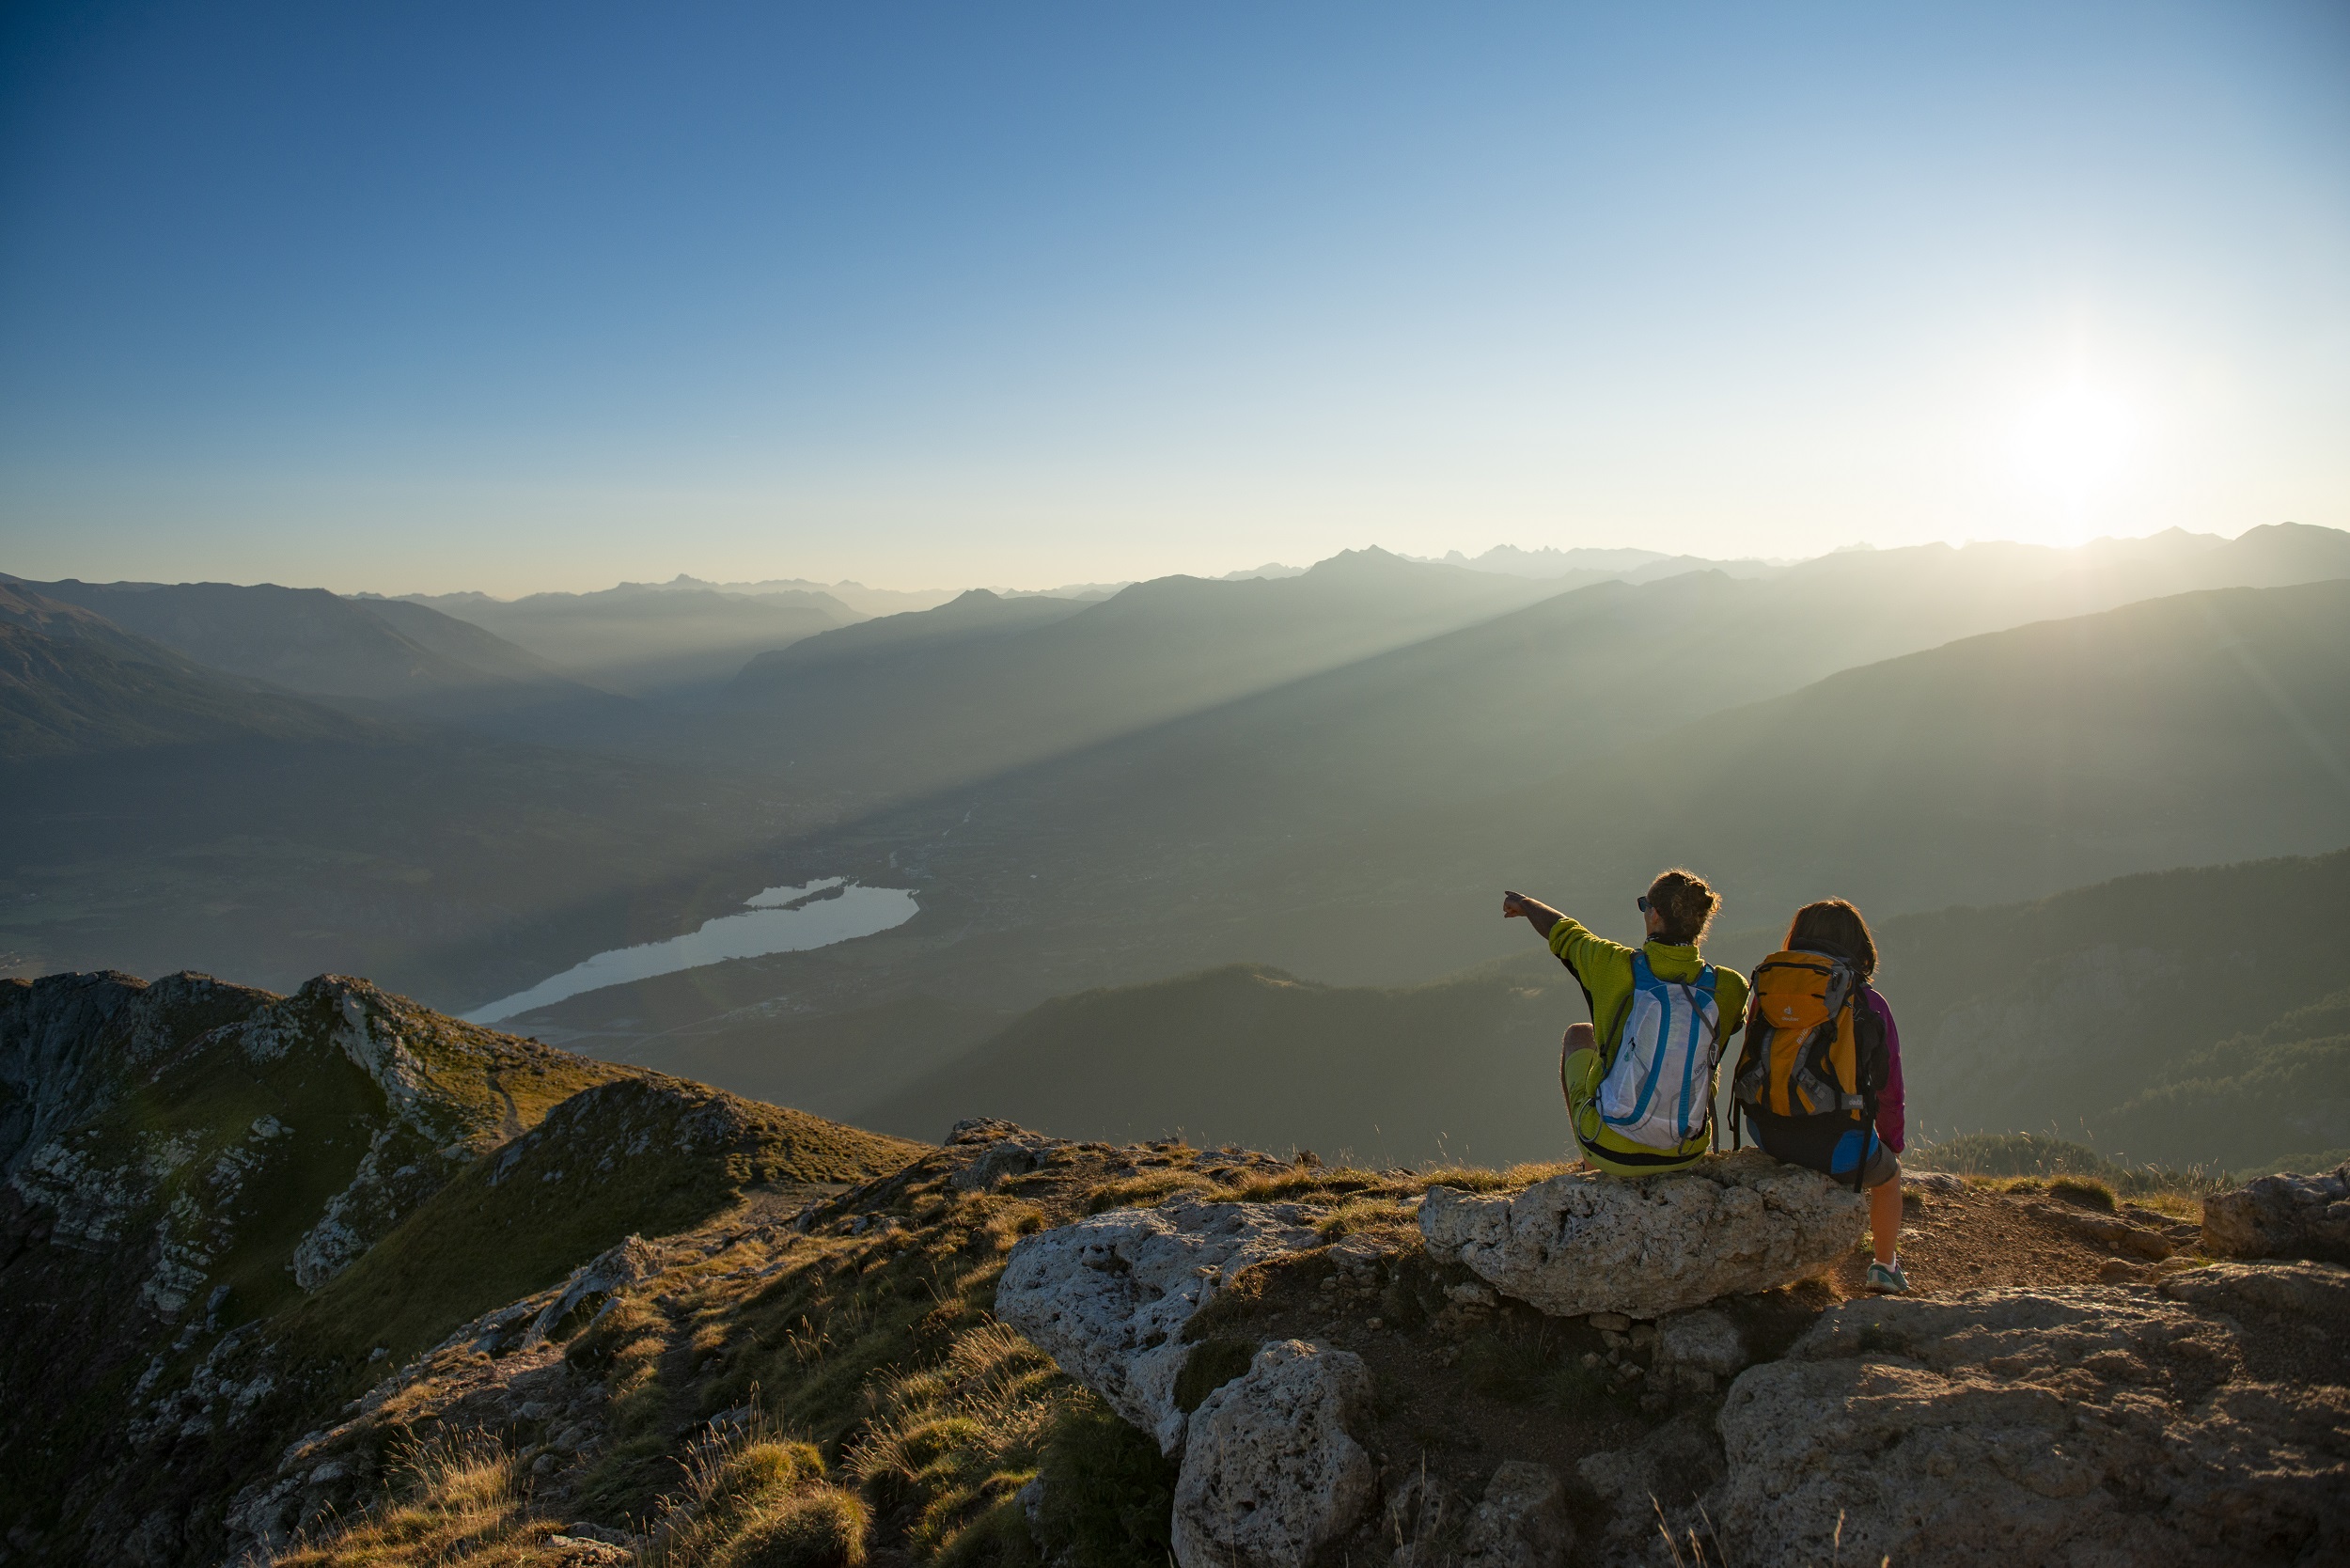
(1658,1090)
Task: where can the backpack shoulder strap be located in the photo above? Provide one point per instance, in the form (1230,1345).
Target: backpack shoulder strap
(1612,1042)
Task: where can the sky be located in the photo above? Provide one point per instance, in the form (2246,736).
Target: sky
(421,297)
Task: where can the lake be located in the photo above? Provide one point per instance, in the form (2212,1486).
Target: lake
(766,926)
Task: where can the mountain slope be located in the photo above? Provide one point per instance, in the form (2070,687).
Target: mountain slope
(2086,1013)
(377,655)
(207,1263)
(2199,729)
(1354,825)
(71,684)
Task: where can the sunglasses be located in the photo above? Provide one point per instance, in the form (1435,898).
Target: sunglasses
(1641,902)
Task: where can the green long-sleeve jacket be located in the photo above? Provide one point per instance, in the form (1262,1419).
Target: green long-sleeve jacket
(1603,969)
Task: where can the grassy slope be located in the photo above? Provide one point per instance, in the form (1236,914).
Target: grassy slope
(644,1155)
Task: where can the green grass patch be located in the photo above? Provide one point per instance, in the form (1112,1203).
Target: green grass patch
(1109,1498)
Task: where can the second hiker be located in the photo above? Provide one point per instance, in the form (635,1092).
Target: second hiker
(1820,1079)
(1639,1077)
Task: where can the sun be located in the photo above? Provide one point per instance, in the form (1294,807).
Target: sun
(2073,447)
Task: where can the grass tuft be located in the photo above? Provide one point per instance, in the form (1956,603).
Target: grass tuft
(463,1504)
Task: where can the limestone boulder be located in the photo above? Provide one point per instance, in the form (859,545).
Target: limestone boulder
(1108,1296)
(2063,1426)
(1272,1472)
(1586,1243)
(1695,1348)
(2283,1216)
(1522,1522)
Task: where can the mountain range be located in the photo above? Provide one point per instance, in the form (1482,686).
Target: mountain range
(1324,777)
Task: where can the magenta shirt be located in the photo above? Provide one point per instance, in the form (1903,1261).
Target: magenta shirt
(1889,1124)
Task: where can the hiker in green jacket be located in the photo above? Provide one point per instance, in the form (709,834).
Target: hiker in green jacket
(1639,1077)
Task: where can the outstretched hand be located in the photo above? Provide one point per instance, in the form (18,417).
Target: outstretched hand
(1516,906)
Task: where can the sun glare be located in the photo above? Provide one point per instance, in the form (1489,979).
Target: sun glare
(2074,448)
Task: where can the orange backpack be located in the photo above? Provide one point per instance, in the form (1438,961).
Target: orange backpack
(1813,1046)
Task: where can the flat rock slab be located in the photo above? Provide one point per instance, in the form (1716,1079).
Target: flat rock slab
(2080,1426)
(1586,1243)
(1108,1298)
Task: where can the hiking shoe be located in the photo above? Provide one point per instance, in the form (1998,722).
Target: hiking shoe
(1887,1278)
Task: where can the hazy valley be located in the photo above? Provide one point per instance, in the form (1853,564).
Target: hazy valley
(1178,899)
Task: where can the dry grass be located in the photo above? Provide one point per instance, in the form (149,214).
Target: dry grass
(1147,1192)
(461,1504)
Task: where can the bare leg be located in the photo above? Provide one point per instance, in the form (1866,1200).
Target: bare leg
(1580,1038)
(1885,1217)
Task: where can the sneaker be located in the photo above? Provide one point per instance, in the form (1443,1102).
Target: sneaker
(1887,1278)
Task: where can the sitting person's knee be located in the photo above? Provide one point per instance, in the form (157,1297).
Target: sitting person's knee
(1580,1038)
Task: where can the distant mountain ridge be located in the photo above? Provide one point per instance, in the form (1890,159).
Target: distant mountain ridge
(650,639)
(1028,678)
(379,656)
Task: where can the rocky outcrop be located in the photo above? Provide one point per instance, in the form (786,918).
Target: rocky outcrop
(68,1043)
(1584,1243)
(1667,1470)
(2063,1426)
(1108,1296)
(1697,1348)
(591,1288)
(1271,1473)
(1522,1521)
(2283,1216)
(2313,1292)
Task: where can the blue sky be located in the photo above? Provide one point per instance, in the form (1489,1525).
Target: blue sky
(519,296)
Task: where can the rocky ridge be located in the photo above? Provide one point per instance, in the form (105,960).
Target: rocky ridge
(177,1249)
(653,1319)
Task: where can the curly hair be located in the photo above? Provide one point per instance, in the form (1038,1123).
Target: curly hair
(1686,905)
(1833,926)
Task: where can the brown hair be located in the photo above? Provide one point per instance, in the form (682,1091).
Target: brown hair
(1685,904)
(1833,926)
